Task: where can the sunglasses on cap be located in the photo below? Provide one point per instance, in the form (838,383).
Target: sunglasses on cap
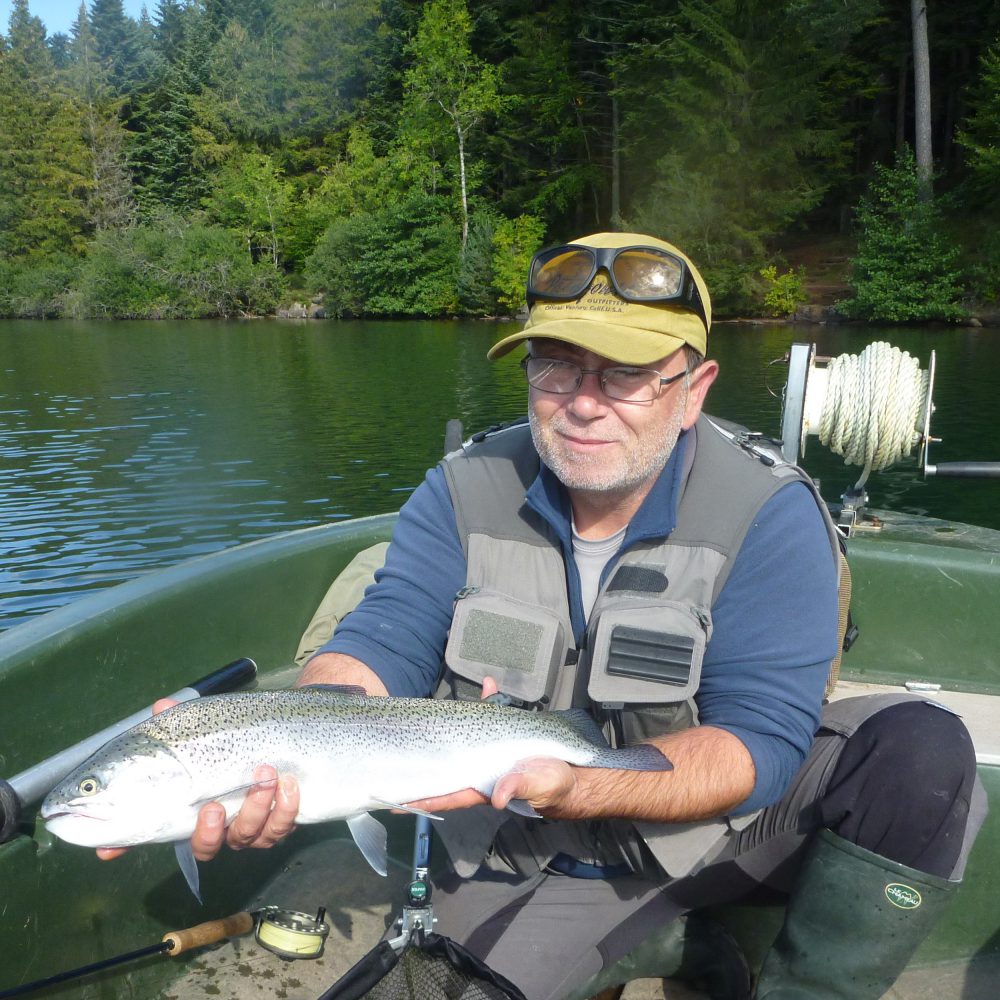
(638,274)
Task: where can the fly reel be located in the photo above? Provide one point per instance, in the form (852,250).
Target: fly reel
(290,933)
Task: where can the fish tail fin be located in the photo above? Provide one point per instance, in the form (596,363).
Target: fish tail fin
(188,866)
(638,757)
(584,724)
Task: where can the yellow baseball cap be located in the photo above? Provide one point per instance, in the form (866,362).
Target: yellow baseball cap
(603,321)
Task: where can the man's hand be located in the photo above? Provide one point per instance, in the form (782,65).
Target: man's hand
(543,782)
(266,817)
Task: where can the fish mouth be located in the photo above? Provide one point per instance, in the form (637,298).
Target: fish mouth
(53,814)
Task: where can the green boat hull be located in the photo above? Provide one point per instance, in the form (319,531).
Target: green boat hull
(926,595)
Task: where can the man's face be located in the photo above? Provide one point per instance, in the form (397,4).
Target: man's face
(595,444)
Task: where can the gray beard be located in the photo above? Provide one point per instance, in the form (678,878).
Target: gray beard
(636,469)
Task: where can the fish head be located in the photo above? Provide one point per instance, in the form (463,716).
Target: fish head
(134,790)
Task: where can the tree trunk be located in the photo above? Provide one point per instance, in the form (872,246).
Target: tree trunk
(616,165)
(902,99)
(922,96)
(465,194)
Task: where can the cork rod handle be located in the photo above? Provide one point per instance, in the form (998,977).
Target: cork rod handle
(209,932)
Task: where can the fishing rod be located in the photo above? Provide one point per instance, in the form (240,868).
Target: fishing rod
(32,785)
(173,943)
(289,934)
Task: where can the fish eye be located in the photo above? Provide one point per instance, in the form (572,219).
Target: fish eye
(89,786)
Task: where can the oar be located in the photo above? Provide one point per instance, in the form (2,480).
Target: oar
(173,943)
(32,785)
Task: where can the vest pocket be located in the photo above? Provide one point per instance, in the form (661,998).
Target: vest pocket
(647,652)
(521,646)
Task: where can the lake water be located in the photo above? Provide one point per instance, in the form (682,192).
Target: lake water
(129,446)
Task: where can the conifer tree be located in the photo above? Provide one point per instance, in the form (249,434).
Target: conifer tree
(163,148)
(168,29)
(906,267)
(116,38)
(26,44)
(43,160)
(745,152)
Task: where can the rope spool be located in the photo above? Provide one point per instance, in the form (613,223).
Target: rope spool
(872,410)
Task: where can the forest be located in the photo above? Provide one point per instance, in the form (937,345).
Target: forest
(399,158)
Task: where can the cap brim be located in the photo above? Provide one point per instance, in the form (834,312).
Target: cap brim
(624,344)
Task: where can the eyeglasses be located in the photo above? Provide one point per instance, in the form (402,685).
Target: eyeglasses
(632,385)
(638,274)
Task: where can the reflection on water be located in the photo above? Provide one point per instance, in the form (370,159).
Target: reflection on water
(134,445)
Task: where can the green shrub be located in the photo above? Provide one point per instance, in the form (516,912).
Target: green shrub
(783,293)
(173,268)
(514,243)
(733,285)
(37,287)
(983,266)
(906,268)
(399,261)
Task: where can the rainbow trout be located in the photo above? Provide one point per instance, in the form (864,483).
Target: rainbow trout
(350,753)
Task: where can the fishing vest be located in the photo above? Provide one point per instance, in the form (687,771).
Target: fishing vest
(639,664)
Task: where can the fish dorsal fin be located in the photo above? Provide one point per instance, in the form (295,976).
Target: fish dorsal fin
(188,866)
(351,689)
(370,836)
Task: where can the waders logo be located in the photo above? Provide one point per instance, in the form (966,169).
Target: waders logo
(903,896)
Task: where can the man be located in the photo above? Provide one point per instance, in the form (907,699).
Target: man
(626,554)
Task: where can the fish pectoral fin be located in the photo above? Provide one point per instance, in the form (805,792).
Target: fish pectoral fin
(409,809)
(371,837)
(188,866)
(220,796)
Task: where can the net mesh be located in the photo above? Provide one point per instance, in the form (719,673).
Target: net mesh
(419,975)
(434,968)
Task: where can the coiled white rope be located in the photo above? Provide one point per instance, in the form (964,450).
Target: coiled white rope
(873,410)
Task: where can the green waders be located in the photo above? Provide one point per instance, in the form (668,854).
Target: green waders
(852,923)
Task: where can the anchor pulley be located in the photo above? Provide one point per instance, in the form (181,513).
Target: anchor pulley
(873,409)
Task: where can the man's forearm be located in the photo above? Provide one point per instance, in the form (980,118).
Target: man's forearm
(713,773)
(337,668)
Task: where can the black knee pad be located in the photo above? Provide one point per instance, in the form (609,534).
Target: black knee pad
(902,786)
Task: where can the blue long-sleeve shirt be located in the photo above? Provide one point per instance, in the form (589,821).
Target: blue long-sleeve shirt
(774,620)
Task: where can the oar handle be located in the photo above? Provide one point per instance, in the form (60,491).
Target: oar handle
(965,470)
(209,932)
(32,785)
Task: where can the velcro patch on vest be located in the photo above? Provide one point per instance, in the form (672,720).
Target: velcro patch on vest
(501,642)
(639,580)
